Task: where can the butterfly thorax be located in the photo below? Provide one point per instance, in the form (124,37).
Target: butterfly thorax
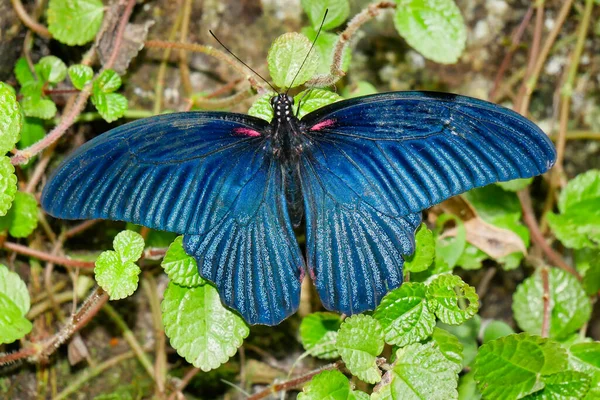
(287,140)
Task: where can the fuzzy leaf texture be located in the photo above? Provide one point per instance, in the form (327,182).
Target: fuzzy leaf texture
(285,57)
(11,119)
(570,307)
(8,184)
(424,251)
(359,342)
(435,28)
(318,334)
(452,300)
(75,22)
(404,315)
(22,218)
(80,75)
(450,347)
(35,103)
(565,385)
(330,385)
(420,372)
(180,267)
(111,106)
(337,14)
(201,330)
(512,367)
(129,245)
(14,303)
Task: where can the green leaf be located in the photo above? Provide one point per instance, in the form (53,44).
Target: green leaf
(11,119)
(467,387)
(582,188)
(588,353)
(201,330)
(129,245)
(404,315)
(493,203)
(35,103)
(181,267)
(467,334)
(74,22)
(313,99)
(359,342)
(23,72)
(33,131)
(330,385)
(14,303)
(261,108)
(107,82)
(111,106)
(565,385)
(471,258)
(118,278)
(360,88)
(22,219)
(495,330)
(51,69)
(448,250)
(8,184)
(337,14)
(318,334)
(285,57)
(13,287)
(325,47)
(516,184)
(452,300)
(424,251)
(588,265)
(420,372)
(80,75)
(435,28)
(570,307)
(450,347)
(511,367)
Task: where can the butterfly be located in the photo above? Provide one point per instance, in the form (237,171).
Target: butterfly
(358,172)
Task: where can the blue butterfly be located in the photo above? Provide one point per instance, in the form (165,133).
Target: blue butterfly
(359,172)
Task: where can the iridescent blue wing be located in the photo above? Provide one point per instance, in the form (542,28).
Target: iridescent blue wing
(255,262)
(373,162)
(178,172)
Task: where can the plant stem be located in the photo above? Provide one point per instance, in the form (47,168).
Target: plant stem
(30,22)
(184,68)
(67,262)
(160,363)
(546,302)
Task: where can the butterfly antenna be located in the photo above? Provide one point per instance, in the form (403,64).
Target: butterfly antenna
(246,65)
(309,50)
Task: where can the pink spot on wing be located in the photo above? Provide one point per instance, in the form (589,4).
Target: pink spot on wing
(323,124)
(246,132)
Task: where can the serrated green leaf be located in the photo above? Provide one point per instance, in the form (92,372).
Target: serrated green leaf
(448,250)
(13,325)
(495,330)
(285,57)
(34,103)
(318,334)
(129,245)
(511,367)
(337,14)
(569,304)
(404,315)
(471,258)
(201,330)
(74,22)
(467,387)
(493,203)
(22,219)
(107,82)
(585,357)
(420,372)
(11,119)
(80,75)
(261,108)
(51,69)
(360,88)
(330,385)
(23,72)
(435,28)
(467,334)
(313,99)
(452,300)
(325,47)
(359,342)
(565,385)
(111,106)
(588,353)
(424,251)
(450,347)
(583,187)
(578,227)
(181,267)
(117,277)
(516,184)
(8,184)
(13,287)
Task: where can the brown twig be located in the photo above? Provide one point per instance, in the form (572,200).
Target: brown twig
(67,262)
(120,32)
(189,375)
(295,382)
(77,229)
(30,22)
(546,301)
(224,102)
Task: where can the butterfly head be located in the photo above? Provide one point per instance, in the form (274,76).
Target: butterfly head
(283,106)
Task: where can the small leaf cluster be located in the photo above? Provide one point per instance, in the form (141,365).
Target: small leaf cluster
(110,105)
(202,331)
(14,303)
(75,22)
